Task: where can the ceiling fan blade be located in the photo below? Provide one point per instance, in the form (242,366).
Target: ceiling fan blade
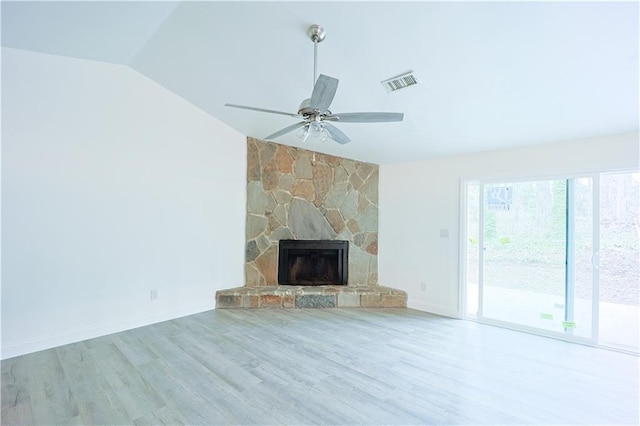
(336,134)
(366,117)
(262,110)
(323,92)
(286,130)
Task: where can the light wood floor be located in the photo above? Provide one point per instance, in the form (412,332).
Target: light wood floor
(333,366)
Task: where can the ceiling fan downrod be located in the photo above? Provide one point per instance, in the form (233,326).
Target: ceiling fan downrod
(317,34)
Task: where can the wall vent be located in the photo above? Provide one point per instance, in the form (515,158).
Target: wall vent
(400,82)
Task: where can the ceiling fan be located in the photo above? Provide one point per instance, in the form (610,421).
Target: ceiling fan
(314,111)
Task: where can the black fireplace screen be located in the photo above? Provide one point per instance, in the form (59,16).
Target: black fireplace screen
(313,262)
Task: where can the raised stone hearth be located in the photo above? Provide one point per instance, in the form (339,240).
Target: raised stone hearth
(330,296)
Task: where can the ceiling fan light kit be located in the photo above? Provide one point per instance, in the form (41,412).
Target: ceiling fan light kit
(314,111)
(313,130)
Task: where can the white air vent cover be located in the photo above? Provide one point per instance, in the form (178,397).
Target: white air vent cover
(400,82)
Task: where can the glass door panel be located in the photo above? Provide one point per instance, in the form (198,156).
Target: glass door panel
(580,254)
(473,253)
(524,251)
(619,260)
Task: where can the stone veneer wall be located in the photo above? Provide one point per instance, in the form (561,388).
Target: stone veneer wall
(293,193)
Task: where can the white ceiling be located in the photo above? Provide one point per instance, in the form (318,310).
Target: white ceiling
(491,74)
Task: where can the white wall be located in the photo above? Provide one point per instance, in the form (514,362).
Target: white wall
(419,199)
(111,186)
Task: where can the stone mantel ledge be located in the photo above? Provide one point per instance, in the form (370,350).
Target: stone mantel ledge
(329,296)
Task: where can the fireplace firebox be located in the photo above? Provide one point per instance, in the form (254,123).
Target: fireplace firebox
(313,262)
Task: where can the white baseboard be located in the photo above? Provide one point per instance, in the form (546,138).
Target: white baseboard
(72,336)
(431,308)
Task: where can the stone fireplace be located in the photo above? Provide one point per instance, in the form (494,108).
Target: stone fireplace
(295,194)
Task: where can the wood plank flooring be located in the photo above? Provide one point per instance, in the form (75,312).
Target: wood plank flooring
(320,366)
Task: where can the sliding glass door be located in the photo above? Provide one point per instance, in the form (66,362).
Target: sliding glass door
(532,245)
(533,252)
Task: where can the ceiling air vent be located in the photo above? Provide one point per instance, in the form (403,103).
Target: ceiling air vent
(400,82)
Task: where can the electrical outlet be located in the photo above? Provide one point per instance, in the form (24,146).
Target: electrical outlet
(154,294)
(423,286)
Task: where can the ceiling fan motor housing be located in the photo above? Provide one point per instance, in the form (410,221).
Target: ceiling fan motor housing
(306,111)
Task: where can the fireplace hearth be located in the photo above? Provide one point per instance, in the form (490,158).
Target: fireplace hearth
(313,262)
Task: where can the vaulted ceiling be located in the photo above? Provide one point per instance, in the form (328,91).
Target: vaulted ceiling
(491,75)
